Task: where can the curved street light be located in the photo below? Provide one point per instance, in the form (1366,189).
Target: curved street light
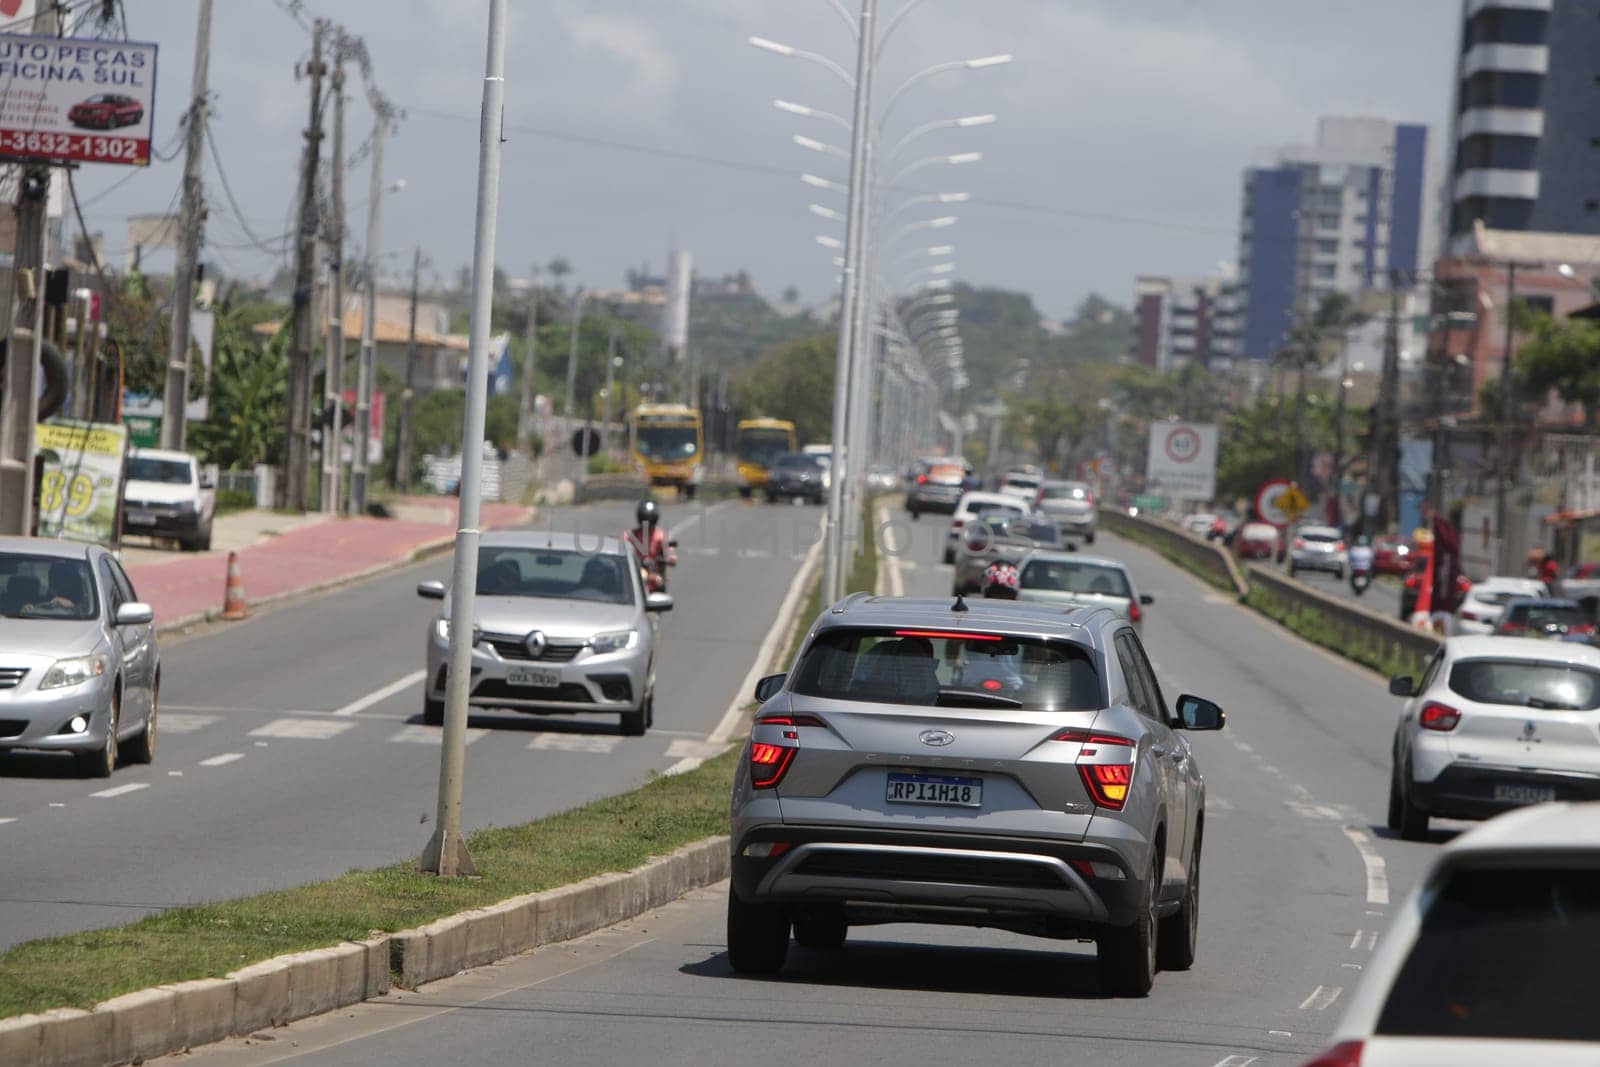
(980,63)
(817,182)
(791,108)
(778,48)
(926,198)
(819,146)
(934,251)
(964,123)
(826,213)
(923,224)
(956,160)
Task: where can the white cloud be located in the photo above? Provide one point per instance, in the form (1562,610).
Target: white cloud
(652,73)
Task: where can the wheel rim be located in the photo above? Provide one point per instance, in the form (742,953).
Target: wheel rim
(109,754)
(1194,901)
(150,723)
(1151,920)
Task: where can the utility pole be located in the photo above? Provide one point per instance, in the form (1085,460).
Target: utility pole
(408,399)
(333,350)
(1502,431)
(1386,450)
(297,451)
(833,572)
(446,853)
(369,316)
(530,348)
(175,397)
(19,407)
(568,406)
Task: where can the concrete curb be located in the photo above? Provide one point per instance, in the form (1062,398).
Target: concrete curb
(155,1022)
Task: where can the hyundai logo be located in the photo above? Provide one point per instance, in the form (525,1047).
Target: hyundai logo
(936,738)
(535,643)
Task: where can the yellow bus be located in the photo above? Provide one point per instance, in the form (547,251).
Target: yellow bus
(757,442)
(668,443)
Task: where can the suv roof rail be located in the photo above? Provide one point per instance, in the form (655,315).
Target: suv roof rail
(850,600)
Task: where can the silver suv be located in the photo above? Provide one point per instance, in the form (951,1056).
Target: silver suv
(995,764)
(564,626)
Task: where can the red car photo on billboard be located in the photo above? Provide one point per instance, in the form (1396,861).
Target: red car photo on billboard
(106,111)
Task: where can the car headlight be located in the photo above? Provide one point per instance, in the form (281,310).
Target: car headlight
(75,671)
(618,641)
(441,629)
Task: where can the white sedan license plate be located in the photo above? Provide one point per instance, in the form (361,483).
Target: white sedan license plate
(1524,794)
(533,678)
(939,789)
(140,517)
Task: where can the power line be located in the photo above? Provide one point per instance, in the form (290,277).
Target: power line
(238,213)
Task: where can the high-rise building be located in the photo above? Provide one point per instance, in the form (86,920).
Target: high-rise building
(1525,144)
(1336,216)
(1183,320)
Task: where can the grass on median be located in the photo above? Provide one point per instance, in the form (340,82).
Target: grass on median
(615,834)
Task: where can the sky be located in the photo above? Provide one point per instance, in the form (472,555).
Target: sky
(634,126)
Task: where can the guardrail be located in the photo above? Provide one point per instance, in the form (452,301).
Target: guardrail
(1366,636)
(1211,562)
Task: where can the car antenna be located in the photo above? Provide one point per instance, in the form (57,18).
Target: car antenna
(960,604)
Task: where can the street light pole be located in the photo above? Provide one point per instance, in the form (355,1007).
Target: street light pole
(408,399)
(446,853)
(333,353)
(175,396)
(1502,434)
(369,316)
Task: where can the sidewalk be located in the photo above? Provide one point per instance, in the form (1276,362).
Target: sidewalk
(304,556)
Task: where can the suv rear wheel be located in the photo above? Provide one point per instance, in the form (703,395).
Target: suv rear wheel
(1179,932)
(1127,954)
(758,936)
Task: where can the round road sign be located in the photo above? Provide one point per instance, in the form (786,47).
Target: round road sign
(1182,445)
(1280,502)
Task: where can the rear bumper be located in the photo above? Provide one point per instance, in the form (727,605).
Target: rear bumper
(1468,792)
(920,874)
(1331,563)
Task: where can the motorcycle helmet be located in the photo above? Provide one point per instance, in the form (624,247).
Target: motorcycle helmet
(648,512)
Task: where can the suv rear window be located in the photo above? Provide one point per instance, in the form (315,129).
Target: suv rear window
(1541,616)
(929,667)
(1065,576)
(1525,684)
(1502,954)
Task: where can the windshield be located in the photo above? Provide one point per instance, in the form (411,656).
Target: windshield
(928,668)
(799,460)
(165,471)
(1321,536)
(762,446)
(554,574)
(1523,683)
(1546,616)
(1065,491)
(45,587)
(1068,576)
(668,442)
(1009,511)
(1502,954)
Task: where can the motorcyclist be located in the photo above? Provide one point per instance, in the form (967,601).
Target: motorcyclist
(1361,564)
(1002,581)
(656,553)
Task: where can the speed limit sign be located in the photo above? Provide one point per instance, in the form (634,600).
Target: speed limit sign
(1182,460)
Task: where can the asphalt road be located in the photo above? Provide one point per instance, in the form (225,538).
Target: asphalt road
(292,746)
(1300,880)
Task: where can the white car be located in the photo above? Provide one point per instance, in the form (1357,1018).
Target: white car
(1482,607)
(1021,484)
(1495,723)
(1199,524)
(1318,548)
(167,495)
(968,508)
(1489,961)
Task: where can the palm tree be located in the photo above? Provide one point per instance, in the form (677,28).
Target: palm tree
(559,268)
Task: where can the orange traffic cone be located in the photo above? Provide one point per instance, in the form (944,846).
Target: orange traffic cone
(233,605)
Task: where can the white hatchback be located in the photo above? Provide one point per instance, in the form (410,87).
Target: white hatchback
(1491,960)
(1495,723)
(968,509)
(1486,602)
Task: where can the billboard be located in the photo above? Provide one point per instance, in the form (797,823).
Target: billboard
(1182,462)
(77,100)
(81,487)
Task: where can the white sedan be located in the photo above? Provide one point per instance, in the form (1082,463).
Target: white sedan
(1486,602)
(1491,959)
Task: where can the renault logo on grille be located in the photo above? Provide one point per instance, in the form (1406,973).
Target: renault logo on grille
(936,738)
(535,643)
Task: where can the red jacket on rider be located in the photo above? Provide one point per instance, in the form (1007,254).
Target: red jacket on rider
(654,552)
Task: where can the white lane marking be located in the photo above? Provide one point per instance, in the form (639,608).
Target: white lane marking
(1280,1033)
(575,743)
(1237,1061)
(1243,746)
(1313,811)
(185,724)
(1270,769)
(225,758)
(261,744)
(678,530)
(57,804)
(782,623)
(304,729)
(399,685)
(894,581)
(1372,941)
(1301,791)
(174,774)
(4,821)
(754,553)
(1377,869)
(706,551)
(120,790)
(430,735)
(1321,998)
(1351,966)
(683,748)
(1355,940)
(1215,804)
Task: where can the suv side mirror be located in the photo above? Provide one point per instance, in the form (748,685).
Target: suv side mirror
(658,602)
(430,590)
(1199,713)
(1402,686)
(768,687)
(1146,599)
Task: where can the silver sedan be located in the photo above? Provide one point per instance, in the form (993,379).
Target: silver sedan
(562,626)
(79,667)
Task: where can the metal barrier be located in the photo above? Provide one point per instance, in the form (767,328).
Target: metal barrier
(1210,561)
(1366,636)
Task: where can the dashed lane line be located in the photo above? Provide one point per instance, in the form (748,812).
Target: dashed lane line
(1237,1061)
(1377,869)
(4,821)
(1321,998)
(122,790)
(594,743)
(303,729)
(222,760)
(399,685)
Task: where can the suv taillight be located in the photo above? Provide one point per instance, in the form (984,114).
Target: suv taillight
(1107,783)
(922,479)
(769,763)
(1344,1054)
(1437,716)
(1134,614)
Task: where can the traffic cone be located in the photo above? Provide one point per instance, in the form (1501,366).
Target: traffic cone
(233,605)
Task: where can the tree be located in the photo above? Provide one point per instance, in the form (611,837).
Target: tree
(793,382)
(1564,356)
(559,268)
(791,295)
(249,396)
(1312,343)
